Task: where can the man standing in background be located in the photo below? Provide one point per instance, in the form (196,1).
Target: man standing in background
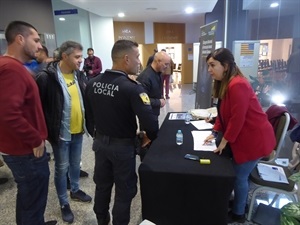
(151,57)
(92,64)
(166,77)
(22,124)
(151,79)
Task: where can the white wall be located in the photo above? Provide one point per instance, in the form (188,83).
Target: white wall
(192,32)
(75,27)
(102,35)
(149,33)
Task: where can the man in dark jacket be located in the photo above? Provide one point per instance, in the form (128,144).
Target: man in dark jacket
(114,129)
(151,79)
(61,88)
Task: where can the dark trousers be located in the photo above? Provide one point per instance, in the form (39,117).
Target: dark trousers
(114,164)
(32,177)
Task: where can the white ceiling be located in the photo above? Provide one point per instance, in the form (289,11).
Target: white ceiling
(168,11)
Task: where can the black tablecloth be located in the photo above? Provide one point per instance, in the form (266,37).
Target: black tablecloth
(177,191)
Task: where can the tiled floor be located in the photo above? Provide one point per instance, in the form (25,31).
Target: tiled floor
(182,98)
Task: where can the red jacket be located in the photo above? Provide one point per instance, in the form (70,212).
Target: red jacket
(22,123)
(246,126)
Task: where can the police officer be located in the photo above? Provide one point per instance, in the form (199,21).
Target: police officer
(113,101)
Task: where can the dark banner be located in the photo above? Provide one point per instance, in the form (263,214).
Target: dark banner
(204,80)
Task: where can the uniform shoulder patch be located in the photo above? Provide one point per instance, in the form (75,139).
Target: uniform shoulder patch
(145,98)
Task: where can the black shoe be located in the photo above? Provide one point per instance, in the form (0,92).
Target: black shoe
(234,218)
(68,183)
(104,221)
(51,222)
(67,214)
(83,174)
(81,196)
(3,180)
(167,97)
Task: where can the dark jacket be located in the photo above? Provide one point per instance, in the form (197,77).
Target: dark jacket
(52,98)
(152,82)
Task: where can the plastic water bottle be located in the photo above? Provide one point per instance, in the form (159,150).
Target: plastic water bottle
(179,137)
(187,118)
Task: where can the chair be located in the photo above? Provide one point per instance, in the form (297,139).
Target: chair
(262,185)
(280,134)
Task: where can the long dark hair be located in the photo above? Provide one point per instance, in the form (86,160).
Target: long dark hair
(225,57)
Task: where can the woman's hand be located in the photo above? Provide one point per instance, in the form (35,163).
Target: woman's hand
(209,139)
(221,146)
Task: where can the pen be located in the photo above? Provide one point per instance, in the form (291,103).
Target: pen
(209,116)
(207,143)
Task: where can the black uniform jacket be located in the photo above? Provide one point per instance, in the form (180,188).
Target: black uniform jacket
(113,101)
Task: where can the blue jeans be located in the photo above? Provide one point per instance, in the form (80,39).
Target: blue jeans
(241,185)
(114,164)
(67,155)
(32,177)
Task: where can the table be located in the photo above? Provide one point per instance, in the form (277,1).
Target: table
(177,191)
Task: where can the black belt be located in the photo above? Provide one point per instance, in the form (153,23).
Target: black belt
(108,139)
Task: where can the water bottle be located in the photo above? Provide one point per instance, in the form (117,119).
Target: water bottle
(179,137)
(187,118)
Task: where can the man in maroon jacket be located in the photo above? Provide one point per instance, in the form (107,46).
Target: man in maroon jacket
(22,124)
(92,64)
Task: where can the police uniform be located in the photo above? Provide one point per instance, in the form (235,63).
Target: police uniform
(113,101)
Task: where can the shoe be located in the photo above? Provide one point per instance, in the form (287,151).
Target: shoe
(104,221)
(3,180)
(51,222)
(68,183)
(83,174)
(67,214)
(234,218)
(167,97)
(81,196)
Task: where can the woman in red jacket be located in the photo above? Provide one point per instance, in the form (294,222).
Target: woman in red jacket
(242,121)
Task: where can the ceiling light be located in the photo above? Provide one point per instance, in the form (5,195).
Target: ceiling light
(274,4)
(151,9)
(121,14)
(189,10)
(62,19)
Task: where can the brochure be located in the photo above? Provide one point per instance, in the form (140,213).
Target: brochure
(272,173)
(177,116)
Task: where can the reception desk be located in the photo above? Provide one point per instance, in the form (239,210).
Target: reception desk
(177,191)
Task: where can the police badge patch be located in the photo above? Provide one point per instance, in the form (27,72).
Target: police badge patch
(145,98)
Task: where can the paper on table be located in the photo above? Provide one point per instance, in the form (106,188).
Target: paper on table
(202,125)
(199,137)
(272,173)
(177,116)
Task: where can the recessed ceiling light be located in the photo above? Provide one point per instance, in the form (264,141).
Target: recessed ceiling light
(189,10)
(121,14)
(274,4)
(151,9)
(62,19)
